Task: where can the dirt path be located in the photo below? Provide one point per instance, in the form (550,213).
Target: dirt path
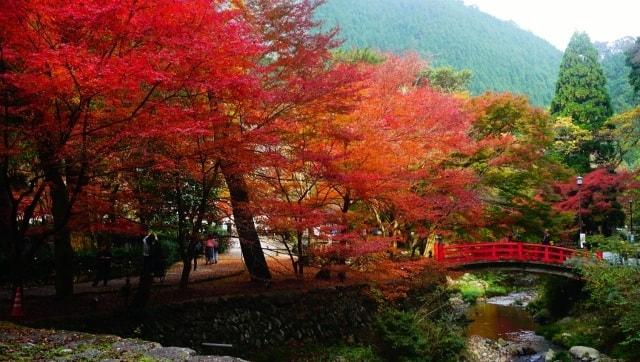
(226,278)
(226,266)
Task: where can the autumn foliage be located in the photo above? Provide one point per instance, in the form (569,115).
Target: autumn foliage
(599,200)
(119,116)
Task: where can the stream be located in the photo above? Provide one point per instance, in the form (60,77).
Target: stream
(506,330)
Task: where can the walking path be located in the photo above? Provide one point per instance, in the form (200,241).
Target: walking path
(227,266)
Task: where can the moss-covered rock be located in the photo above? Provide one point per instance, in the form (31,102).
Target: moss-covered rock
(19,343)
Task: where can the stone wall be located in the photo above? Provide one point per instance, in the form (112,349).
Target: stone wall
(249,323)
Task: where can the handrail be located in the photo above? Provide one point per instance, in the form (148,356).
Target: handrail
(507,251)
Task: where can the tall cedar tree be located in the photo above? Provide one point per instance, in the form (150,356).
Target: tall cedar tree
(633,61)
(581,94)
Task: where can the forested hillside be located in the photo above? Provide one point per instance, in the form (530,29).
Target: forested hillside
(501,55)
(612,57)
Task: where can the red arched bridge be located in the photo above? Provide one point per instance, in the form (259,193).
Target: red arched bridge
(512,256)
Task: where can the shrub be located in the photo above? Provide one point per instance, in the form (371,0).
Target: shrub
(127,260)
(402,336)
(558,295)
(615,297)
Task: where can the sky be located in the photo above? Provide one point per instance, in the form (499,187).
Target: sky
(556,20)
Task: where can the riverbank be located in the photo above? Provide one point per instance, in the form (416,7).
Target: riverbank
(19,343)
(503,329)
(603,311)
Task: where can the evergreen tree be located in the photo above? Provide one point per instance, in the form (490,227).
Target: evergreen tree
(581,94)
(581,91)
(633,61)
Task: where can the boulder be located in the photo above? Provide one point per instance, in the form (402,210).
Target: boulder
(134,345)
(550,355)
(171,353)
(215,359)
(584,353)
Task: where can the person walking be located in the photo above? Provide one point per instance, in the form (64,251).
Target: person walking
(146,275)
(147,246)
(216,249)
(103,266)
(546,238)
(208,249)
(197,250)
(159,261)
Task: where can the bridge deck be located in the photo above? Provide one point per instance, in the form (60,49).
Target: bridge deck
(508,252)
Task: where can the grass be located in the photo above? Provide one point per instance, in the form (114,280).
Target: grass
(321,353)
(472,286)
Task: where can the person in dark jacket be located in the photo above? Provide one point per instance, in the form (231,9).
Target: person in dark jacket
(159,261)
(103,266)
(546,238)
(197,250)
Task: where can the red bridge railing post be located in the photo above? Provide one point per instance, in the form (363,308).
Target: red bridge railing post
(461,254)
(519,251)
(440,252)
(546,254)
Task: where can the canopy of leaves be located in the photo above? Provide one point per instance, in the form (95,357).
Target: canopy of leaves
(569,137)
(447,79)
(598,200)
(626,131)
(514,166)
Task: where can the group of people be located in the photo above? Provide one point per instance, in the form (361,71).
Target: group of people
(211,250)
(153,260)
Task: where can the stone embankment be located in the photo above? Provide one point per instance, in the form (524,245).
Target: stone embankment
(28,344)
(250,323)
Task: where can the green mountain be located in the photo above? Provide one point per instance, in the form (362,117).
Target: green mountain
(612,57)
(502,56)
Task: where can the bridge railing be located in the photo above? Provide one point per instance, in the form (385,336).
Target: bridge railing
(507,251)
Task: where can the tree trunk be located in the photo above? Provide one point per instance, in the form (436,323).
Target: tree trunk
(63,252)
(16,260)
(183,240)
(8,241)
(195,232)
(301,257)
(243,216)
(187,256)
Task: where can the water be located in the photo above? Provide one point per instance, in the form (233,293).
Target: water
(501,318)
(496,321)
